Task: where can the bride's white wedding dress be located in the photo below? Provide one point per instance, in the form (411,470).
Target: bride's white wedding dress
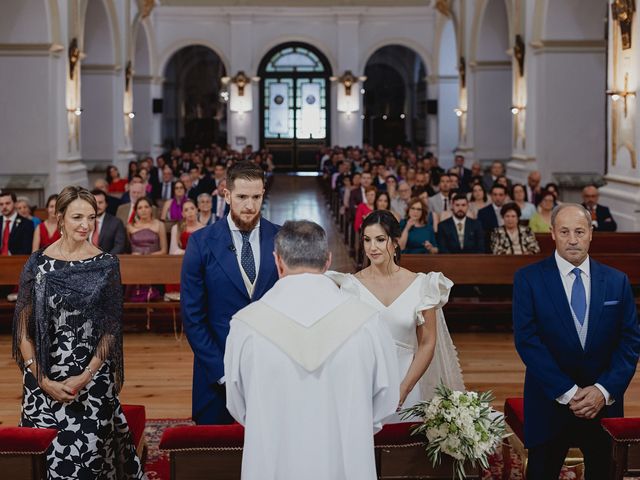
(427,291)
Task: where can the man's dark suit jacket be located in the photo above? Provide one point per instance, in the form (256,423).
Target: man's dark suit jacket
(205,185)
(214,208)
(448,237)
(212,291)
(21,236)
(605,220)
(112,238)
(355,199)
(464,180)
(112,204)
(547,341)
(489,221)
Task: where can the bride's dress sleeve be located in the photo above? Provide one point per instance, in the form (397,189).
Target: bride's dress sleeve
(445,366)
(345,282)
(434,293)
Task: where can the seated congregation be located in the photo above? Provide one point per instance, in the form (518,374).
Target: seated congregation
(224,392)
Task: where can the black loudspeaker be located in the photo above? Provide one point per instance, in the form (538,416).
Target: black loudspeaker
(432,107)
(157,105)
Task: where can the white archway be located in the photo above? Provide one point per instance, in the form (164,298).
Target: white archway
(169,52)
(395,99)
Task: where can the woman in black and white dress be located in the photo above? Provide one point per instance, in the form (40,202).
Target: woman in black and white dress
(67,337)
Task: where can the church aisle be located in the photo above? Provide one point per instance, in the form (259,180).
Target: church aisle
(295,197)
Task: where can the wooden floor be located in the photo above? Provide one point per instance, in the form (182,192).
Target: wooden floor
(158,373)
(158,366)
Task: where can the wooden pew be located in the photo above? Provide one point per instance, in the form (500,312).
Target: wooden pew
(492,276)
(499,269)
(134,270)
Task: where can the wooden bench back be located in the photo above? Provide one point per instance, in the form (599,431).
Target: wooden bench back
(134,269)
(500,269)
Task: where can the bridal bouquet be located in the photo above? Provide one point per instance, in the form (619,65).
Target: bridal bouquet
(459,424)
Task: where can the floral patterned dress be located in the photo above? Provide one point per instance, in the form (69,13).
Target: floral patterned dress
(94,441)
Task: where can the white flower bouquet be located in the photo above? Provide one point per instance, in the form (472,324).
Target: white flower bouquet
(459,424)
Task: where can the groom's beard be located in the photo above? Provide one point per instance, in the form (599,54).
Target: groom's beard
(241,224)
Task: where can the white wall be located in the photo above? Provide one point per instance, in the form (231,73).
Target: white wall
(491,113)
(346,35)
(26,131)
(571,111)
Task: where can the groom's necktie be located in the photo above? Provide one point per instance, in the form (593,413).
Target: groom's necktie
(246,257)
(578,297)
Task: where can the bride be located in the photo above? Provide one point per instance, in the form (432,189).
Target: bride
(411,305)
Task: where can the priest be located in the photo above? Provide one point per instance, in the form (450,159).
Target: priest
(311,372)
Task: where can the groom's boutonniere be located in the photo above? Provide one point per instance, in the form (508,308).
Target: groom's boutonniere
(18,221)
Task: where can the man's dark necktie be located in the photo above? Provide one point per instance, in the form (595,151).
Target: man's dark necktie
(246,257)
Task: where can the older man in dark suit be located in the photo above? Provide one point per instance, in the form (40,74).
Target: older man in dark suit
(601,217)
(16,231)
(576,329)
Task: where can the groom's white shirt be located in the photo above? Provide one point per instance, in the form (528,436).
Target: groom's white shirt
(311,372)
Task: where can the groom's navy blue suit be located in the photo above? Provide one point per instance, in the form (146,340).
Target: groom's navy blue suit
(211,292)
(547,341)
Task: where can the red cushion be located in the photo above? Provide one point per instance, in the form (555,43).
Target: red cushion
(203,436)
(25,439)
(514,415)
(396,434)
(136,417)
(626,429)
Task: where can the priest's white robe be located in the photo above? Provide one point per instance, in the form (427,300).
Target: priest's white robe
(311,381)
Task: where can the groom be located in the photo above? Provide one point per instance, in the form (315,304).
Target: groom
(226,266)
(576,330)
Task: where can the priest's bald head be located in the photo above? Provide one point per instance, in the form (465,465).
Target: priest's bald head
(301,246)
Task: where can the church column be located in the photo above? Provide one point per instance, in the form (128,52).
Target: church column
(622,192)
(346,127)
(103,135)
(242,127)
(444,126)
(146,124)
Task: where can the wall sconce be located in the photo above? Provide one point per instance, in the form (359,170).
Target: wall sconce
(240,95)
(516,109)
(76,111)
(624,94)
(130,114)
(459,111)
(348,100)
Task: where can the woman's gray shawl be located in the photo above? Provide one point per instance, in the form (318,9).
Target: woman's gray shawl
(91,288)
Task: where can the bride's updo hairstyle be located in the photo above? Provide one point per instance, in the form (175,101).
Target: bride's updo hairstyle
(389,224)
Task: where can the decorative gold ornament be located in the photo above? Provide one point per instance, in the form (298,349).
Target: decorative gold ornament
(624,94)
(348,79)
(518,53)
(74,56)
(241,80)
(462,72)
(622,12)
(147,7)
(443,7)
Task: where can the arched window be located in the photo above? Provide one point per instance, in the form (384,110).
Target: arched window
(294,99)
